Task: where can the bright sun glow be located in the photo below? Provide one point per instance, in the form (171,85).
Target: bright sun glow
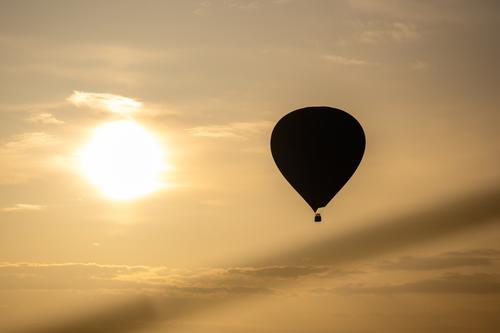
(123,160)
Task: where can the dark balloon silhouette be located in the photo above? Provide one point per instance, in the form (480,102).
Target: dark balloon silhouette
(317,149)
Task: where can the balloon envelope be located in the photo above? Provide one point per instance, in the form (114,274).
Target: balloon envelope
(317,149)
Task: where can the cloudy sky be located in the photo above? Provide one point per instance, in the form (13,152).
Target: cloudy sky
(217,241)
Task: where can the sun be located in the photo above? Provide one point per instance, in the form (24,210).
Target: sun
(123,160)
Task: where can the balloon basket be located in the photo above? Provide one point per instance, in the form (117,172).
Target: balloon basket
(317,217)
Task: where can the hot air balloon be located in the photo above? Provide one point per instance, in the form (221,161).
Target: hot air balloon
(317,149)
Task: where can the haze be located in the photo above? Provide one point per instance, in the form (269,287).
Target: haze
(209,79)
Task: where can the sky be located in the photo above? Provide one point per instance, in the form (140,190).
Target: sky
(219,241)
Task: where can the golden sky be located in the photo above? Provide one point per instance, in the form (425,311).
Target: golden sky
(218,241)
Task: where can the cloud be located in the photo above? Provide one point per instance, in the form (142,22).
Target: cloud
(448,218)
(30,107)
(453,217)
(244,4)
(219,291)
(419,65)
(106,102)
(473,258)
(397,31)
(43,276)
(467,272)
(437,12)
(94,62)
(453,283)
(344,61)
(45,118)
(241,281)
(478,283)
(153,278)
(238,130)
(22,207)
(287,272)
(26,141)
(204,6)
(21,156)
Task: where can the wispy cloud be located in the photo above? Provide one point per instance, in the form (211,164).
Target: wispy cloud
(245,4)
(467,272)
(33,107)
(25,141)
(205,6)
(239,130)
(339,250)
(473,258)
(233,281)
(21,156)
(280,272)
(22,207)
(397,31)
(106,102)
(436,12)
(476,283)
(344,61)
(103,62)
(45,118)
(194,282)
(419,65)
